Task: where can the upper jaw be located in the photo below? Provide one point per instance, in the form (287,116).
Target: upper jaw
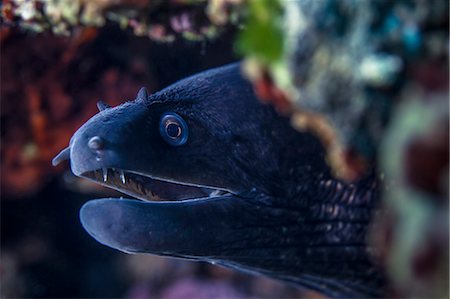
(116,162)
(147,188)
(108,168)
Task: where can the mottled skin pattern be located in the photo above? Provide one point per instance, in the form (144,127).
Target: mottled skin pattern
(283,214)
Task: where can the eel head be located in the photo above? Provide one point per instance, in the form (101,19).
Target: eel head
(221,178)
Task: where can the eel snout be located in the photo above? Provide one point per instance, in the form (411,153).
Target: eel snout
(104,151)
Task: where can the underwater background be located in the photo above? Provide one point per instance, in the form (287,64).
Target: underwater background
(377,71)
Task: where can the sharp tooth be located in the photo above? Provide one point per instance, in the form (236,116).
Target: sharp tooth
(122,176)
(214,193)
(105,174)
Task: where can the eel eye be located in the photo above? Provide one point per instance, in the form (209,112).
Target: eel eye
(173,129)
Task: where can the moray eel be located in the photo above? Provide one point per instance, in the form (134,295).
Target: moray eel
(223,178)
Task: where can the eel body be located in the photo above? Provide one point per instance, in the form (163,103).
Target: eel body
(223,178)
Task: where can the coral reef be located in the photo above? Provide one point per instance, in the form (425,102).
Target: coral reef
(159,20)
(414,242)
(341,66)
(41,114)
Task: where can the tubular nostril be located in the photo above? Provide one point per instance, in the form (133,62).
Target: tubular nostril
(95,143)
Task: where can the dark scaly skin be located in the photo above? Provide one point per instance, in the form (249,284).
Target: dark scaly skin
(280,212)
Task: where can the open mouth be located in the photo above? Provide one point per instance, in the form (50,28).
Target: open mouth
(147,188)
